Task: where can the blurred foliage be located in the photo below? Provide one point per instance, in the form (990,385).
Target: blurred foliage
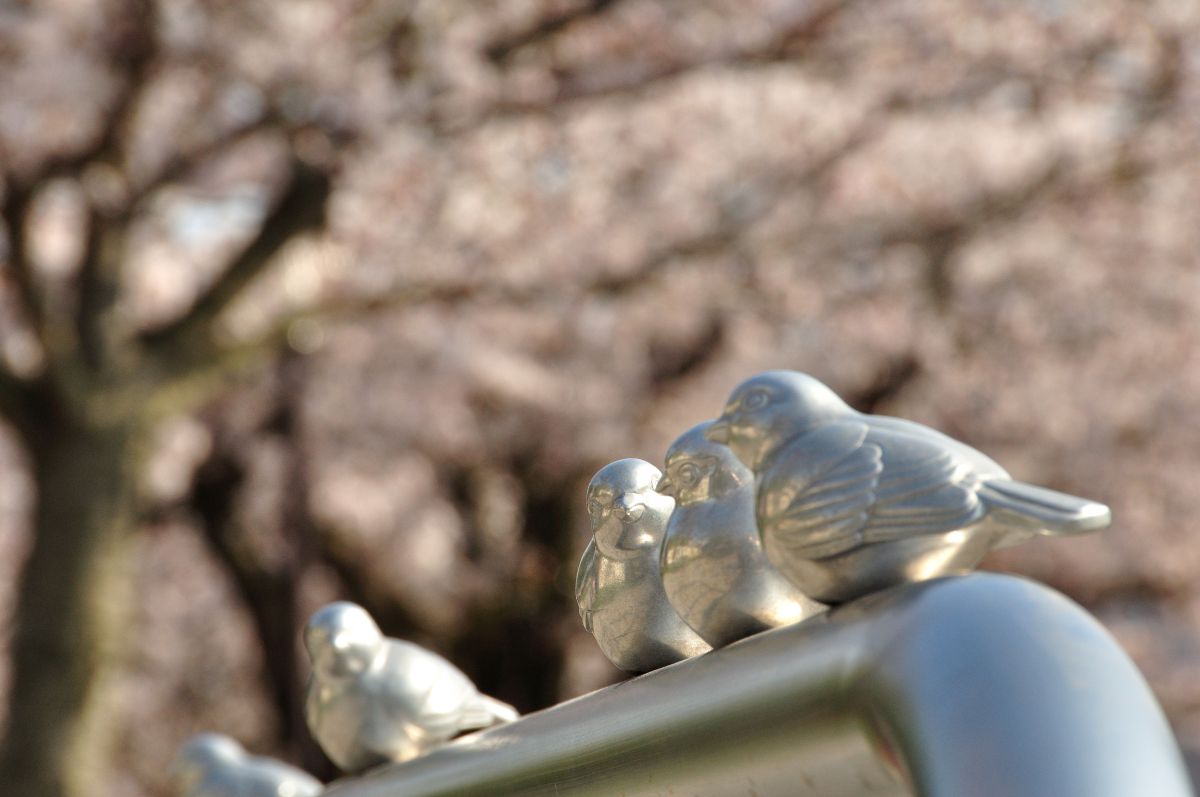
(348,299)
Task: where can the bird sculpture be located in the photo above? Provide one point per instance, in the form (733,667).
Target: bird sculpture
(849,503)
(713,566)
(212,765)
(372,699)
(618,586)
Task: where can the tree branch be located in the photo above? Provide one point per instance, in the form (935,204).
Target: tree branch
(786,41)
(268,593)
(925,229)
(133,48)
(300,208)
(940,235)
(504,48)
(14,400)
(185,163)
(731,227)
(14,212)
(194,385)
(340,554)
(103,253)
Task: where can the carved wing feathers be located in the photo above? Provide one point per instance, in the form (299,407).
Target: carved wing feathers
(926,488)
(585,578)
(854,485)
(817,501)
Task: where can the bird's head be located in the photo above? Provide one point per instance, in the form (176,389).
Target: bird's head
(199,756)
(627,513)
(700,470)
(767,410)
(342,640)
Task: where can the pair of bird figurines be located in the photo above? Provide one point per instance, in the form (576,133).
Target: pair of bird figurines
(370,700)
(789,501)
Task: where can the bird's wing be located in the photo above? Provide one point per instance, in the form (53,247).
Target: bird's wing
(585,583)
(849,484)
(312,702)
(925,488)
(980,464)
(815,500)
(398,719)
(441,696)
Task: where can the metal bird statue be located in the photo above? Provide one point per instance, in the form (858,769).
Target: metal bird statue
(713,566)
(618,586)
(212,765)
(372,699)
(849,503)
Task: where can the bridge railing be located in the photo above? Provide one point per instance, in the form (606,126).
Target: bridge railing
(975,686)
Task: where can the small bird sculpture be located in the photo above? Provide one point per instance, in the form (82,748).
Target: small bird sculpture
(372,699)
(618,586)
(212,765)
(849,503)
(713,566)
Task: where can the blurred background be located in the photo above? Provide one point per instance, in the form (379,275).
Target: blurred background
(349,299)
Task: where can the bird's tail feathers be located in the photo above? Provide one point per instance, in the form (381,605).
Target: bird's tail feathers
(1044,511)
(488,711)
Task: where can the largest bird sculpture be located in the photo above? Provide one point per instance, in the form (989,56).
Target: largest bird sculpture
(372,699)
(849,503)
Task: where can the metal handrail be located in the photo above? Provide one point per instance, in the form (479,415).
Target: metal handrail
(975,686)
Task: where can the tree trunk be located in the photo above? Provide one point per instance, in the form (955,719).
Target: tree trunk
(70,608)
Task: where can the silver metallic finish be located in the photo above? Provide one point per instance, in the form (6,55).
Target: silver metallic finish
(372,699)
(849,504)
(212,765)
(982,685)
(713,566)
(618,586)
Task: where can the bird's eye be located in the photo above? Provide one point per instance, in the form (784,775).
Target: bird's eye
(755,399)
(595,508)
(689,474)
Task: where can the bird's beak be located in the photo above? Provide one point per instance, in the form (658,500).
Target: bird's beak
(718,432)
(664,486)
(629,508)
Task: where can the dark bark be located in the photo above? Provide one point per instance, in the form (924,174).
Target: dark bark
(69,614)
(269,594)
(268,590)
(300,208)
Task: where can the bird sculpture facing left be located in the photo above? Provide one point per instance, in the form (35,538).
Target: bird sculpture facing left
(212,765)
(372,699)
(713,566)
(849,503)
(618,586)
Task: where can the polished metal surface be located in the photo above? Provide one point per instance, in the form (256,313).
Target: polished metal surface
(212,765)
(848,503)
(980,685)
(713,567)
(372,699)
(618,586)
